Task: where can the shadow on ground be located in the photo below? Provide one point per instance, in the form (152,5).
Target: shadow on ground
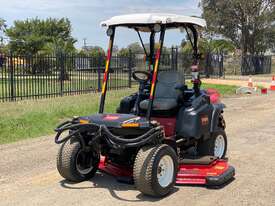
(109,183)
(105,181)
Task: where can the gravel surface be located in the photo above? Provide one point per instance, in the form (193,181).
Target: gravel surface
(28,173)
(239,82)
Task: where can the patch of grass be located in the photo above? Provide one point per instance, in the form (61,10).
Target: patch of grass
(224,90)
(28,119)
(34,118)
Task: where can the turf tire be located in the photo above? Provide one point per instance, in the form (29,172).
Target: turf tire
(146,166)
(207,147)
(66,162)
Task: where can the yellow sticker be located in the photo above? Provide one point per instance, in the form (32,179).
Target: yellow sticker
(219,167)
(211,174)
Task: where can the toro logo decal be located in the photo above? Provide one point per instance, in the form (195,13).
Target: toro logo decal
(111,117)
(204,120)
(188,171)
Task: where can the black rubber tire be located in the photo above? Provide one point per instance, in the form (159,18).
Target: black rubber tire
(207,147)
(146,166)
(66,161)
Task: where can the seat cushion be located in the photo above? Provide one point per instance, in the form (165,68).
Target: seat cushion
(160,104)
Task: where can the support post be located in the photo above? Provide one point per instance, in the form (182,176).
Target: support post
(155,73)
(106,73)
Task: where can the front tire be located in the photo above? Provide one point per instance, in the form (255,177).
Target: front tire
(216,145)
(75,164)
(155,170)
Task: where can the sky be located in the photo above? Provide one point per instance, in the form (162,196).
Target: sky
(86,15)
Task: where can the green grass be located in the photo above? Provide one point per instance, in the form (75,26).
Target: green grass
(224,90)
(34,118)
(28,119)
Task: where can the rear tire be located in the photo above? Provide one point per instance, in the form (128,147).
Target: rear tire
(216,145)
(155,170)
(74,164)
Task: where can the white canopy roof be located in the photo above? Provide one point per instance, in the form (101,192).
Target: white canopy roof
(152,18)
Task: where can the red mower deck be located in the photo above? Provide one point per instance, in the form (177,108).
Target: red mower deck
(208,171)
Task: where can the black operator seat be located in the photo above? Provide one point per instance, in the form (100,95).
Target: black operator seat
(166,96)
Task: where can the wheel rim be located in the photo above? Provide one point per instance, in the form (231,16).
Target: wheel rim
(219,146)
(84,162)
(165,171)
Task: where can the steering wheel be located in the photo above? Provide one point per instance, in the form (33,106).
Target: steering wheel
(141,76)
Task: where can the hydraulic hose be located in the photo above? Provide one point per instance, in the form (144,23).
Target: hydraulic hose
(103,131)
(134,144)
(118,139)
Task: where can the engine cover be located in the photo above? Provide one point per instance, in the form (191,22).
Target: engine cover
(121,124)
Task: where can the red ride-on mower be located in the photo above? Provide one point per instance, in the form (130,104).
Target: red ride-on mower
(164,134)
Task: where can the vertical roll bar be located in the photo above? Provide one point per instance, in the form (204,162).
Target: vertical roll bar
(195,66)
(106,73)
(155,73)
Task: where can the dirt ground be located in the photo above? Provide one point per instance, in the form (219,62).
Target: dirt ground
(28,173)
(257,81)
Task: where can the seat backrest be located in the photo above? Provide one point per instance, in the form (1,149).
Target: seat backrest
(167,81)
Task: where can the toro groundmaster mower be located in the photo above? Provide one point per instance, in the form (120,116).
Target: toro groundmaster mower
(164,134)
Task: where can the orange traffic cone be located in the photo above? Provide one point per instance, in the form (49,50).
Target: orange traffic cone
(272,86)
(250,83)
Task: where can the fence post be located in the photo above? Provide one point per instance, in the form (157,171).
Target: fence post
(270,65)
(130,70)
(62,72)
(176,58)
(172,58)
(208,64)
(12,93)
(220,64)
(99,74)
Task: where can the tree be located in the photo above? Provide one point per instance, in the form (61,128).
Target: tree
(135,48)
(2,25)
(249,24)
(123,52)
(209,45)
(2,29)
(32,36)
(96,52)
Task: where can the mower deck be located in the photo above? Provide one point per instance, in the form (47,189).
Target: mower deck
(208,171)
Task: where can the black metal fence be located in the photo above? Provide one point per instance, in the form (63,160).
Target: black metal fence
(256,65)
(24,77)
(46,76)
(211,65)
